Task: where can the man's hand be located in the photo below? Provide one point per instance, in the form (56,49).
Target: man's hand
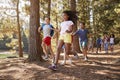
(73,34)
(39,29)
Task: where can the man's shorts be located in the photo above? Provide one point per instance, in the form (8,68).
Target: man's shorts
(98,45)
(47,41)
(67,38)
(83,44)
(111,44)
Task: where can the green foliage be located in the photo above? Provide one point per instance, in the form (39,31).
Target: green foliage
(106,17)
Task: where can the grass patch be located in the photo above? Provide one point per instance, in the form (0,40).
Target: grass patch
(2,56)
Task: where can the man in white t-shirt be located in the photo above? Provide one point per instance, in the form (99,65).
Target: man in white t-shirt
(47,28)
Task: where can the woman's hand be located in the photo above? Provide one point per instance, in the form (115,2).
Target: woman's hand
(56,30)
(70,29)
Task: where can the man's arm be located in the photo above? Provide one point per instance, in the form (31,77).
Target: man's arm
(39,29)
(75,33)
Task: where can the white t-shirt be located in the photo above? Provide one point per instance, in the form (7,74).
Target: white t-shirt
(65,26)
(111,40)
(46,31)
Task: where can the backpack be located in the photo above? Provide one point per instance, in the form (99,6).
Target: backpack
(51,32)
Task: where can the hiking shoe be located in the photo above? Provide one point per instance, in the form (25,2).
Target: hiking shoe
(46,58)
(76,56)
(70,61)
(63,63)
(53,67)
(86,58)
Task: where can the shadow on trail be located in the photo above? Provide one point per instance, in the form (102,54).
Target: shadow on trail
(78,72)
(6,77)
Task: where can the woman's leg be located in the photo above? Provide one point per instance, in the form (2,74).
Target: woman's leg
(60,44)
(57,55)
(111,47)
(107,45)
(64,58)
(68,51)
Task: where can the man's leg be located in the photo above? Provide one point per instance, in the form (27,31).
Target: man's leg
(45,49)
(84,46)
(52,53)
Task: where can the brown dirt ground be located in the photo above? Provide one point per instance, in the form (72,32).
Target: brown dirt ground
(99,67)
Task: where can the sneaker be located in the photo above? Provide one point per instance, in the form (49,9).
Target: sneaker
(63,63)
(86,58)
(70,61)
(76,56)
(46,58)
(53,67)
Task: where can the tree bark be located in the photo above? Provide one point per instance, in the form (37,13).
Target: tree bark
(35,49)
(19,31)
(57,33)
(75,44)
(49,8)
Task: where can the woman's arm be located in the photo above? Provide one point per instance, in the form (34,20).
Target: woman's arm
(70,29)
(56,30)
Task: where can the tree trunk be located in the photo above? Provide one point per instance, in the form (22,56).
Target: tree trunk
(19,31)
(49,8)
(75,44)
(57,34)
(35,49)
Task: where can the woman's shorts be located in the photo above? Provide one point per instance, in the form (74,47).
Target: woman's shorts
(67,38)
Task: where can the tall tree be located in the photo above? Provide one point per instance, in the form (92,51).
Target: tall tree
(35,50)
(49,8)
(19,31)
(105,16)
(75,38)
(83,8)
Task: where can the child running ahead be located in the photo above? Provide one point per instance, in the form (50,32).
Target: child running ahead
(83,33)
(65,38)
(47,29)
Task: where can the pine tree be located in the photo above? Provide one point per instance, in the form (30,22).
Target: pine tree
(35,49)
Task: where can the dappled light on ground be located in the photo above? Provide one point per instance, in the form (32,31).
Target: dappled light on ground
(99,67)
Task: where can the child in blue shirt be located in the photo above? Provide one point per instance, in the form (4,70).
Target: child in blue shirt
(82,34)
(98,44)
